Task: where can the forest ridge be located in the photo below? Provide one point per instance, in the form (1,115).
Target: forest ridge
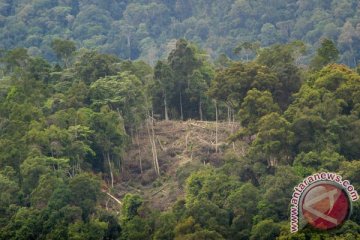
(148,29)
(185,120)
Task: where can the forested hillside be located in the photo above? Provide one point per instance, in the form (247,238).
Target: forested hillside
(174,119)
(148,29)
(84,156)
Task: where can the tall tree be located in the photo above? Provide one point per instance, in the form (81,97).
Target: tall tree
(232,84)
(247,49)
(281,59)
(273,140)
(325,54)
(110,139)
(164,81)
(90,65)
(256,105)
(64,50)
(183,62)
(122,93)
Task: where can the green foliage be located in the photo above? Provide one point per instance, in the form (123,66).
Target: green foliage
(8,193)
(186,226)
(130,207)
(58,212)
(247,48)
(265,230)
(64,132)
(113,230)
(315,162)
(51,137)
(85,192)
(89,66)
(278,190)
(209,215)
(24,224)
(349,230)
(94,229)
(136,229)
(321,106)
(188,229)
(145,30)
(16,58)
(232,84)
(283,60)
(109,139)
(256,105)
(41,195)
(31,170)
(209,185)
(243,203)
(121,93)
(133,226)
(63,50)
(165,225)
(326,53)
(163,85)
(274,139)
(350,171)
(180,84)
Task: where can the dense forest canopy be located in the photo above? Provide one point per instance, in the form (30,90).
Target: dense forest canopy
(65,128)
(148,29)
(95,98)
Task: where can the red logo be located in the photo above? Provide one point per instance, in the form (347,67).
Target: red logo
(325,206)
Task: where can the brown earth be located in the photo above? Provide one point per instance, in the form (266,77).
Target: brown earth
(182,147)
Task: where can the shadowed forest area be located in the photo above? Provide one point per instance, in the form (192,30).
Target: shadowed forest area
(148,30)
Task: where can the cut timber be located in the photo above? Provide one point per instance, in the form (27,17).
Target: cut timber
(161,146)
(196,125)
(114,198)
(216,134)
(159,190)
(189,146)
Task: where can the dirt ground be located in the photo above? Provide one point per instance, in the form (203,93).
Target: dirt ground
(182,147)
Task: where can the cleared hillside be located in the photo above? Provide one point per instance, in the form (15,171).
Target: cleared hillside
(182,147)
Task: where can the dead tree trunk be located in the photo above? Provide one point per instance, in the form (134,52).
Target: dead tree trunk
(233,126)
(128,36)
(151,133)
(181,108)
(139,150)
(166,109)
(200,110)
(216,127)
(156,155)
(110,169)
(229,114)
